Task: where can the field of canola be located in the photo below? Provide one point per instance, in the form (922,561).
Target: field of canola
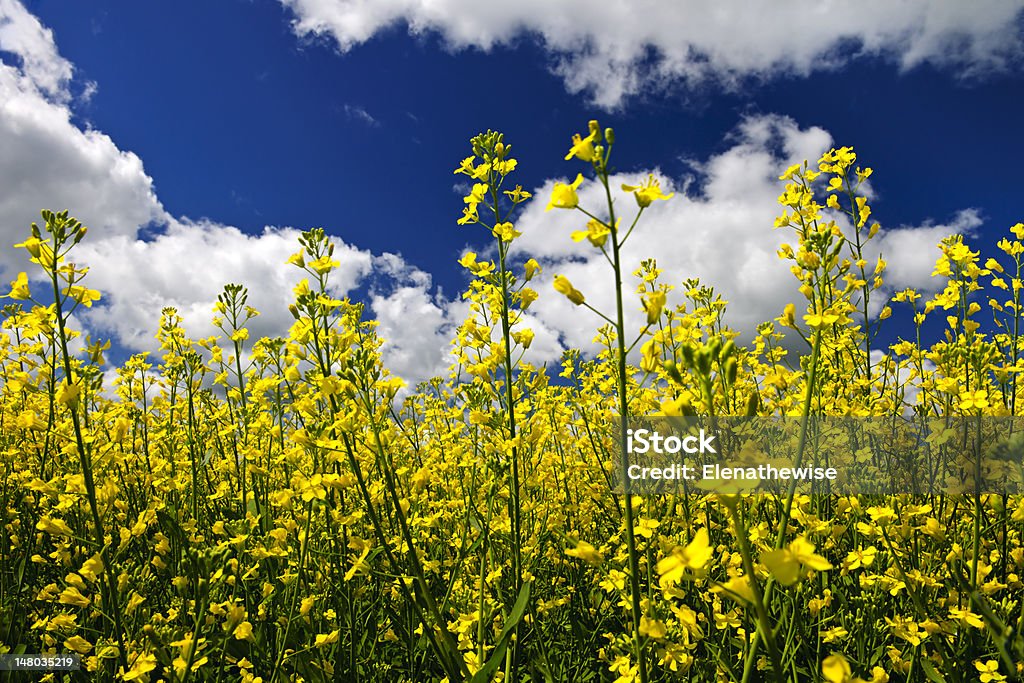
(281,509)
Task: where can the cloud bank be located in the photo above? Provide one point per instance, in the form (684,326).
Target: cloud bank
(615,50)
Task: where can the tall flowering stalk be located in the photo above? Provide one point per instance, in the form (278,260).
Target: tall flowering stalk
(602,231)
(63,233)
(498,292)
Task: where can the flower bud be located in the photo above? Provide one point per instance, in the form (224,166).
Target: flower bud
(715,346)
(673,371)
(731,367)
(753,402)
(703,361)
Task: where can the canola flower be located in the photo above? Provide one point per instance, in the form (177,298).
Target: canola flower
(283,509)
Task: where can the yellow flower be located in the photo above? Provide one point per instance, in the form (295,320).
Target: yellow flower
(466,167)
(83,295)
(646,527)
(785,563)
(564,196)
(244,631)
(92,568)
(586,552)
(582,148)
(68,394)
(324,264)
(523,337)
(73,596)
(597,233)
(816,320)
(19,288)
(974,399)
(526,297)
(788,317)
(738,588)
(833,634)
(358,567)
(989,671)
(143,664)
(78,644)
(654,305)
(693,558)
(518,195)
(966,618)
(563,286)
(803,550)
(34,246)
(647,191)
(652,628)
(856,559)
(323,639)
(532,268)
(836,669)
(790,172)
(476,195)
(54,526)
(505,232)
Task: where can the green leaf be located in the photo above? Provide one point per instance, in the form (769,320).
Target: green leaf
(498,654)
(930,672)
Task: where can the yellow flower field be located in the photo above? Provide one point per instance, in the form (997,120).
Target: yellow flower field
(283,509)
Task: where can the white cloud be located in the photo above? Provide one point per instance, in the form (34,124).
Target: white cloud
(417,328)
(187,267)
(48,162)
(612,50)
(911,252)
(357,113)
(42,66)
(721,233)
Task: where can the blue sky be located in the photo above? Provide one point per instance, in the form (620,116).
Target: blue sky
(182,129)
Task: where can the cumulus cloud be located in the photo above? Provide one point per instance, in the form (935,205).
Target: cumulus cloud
(418,328)
(911,251)
(23,36)
(721,232)
(187,266)
(49,162)
(613,50)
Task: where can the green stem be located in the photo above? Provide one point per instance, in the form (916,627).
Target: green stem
(108,590)
(620,339)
